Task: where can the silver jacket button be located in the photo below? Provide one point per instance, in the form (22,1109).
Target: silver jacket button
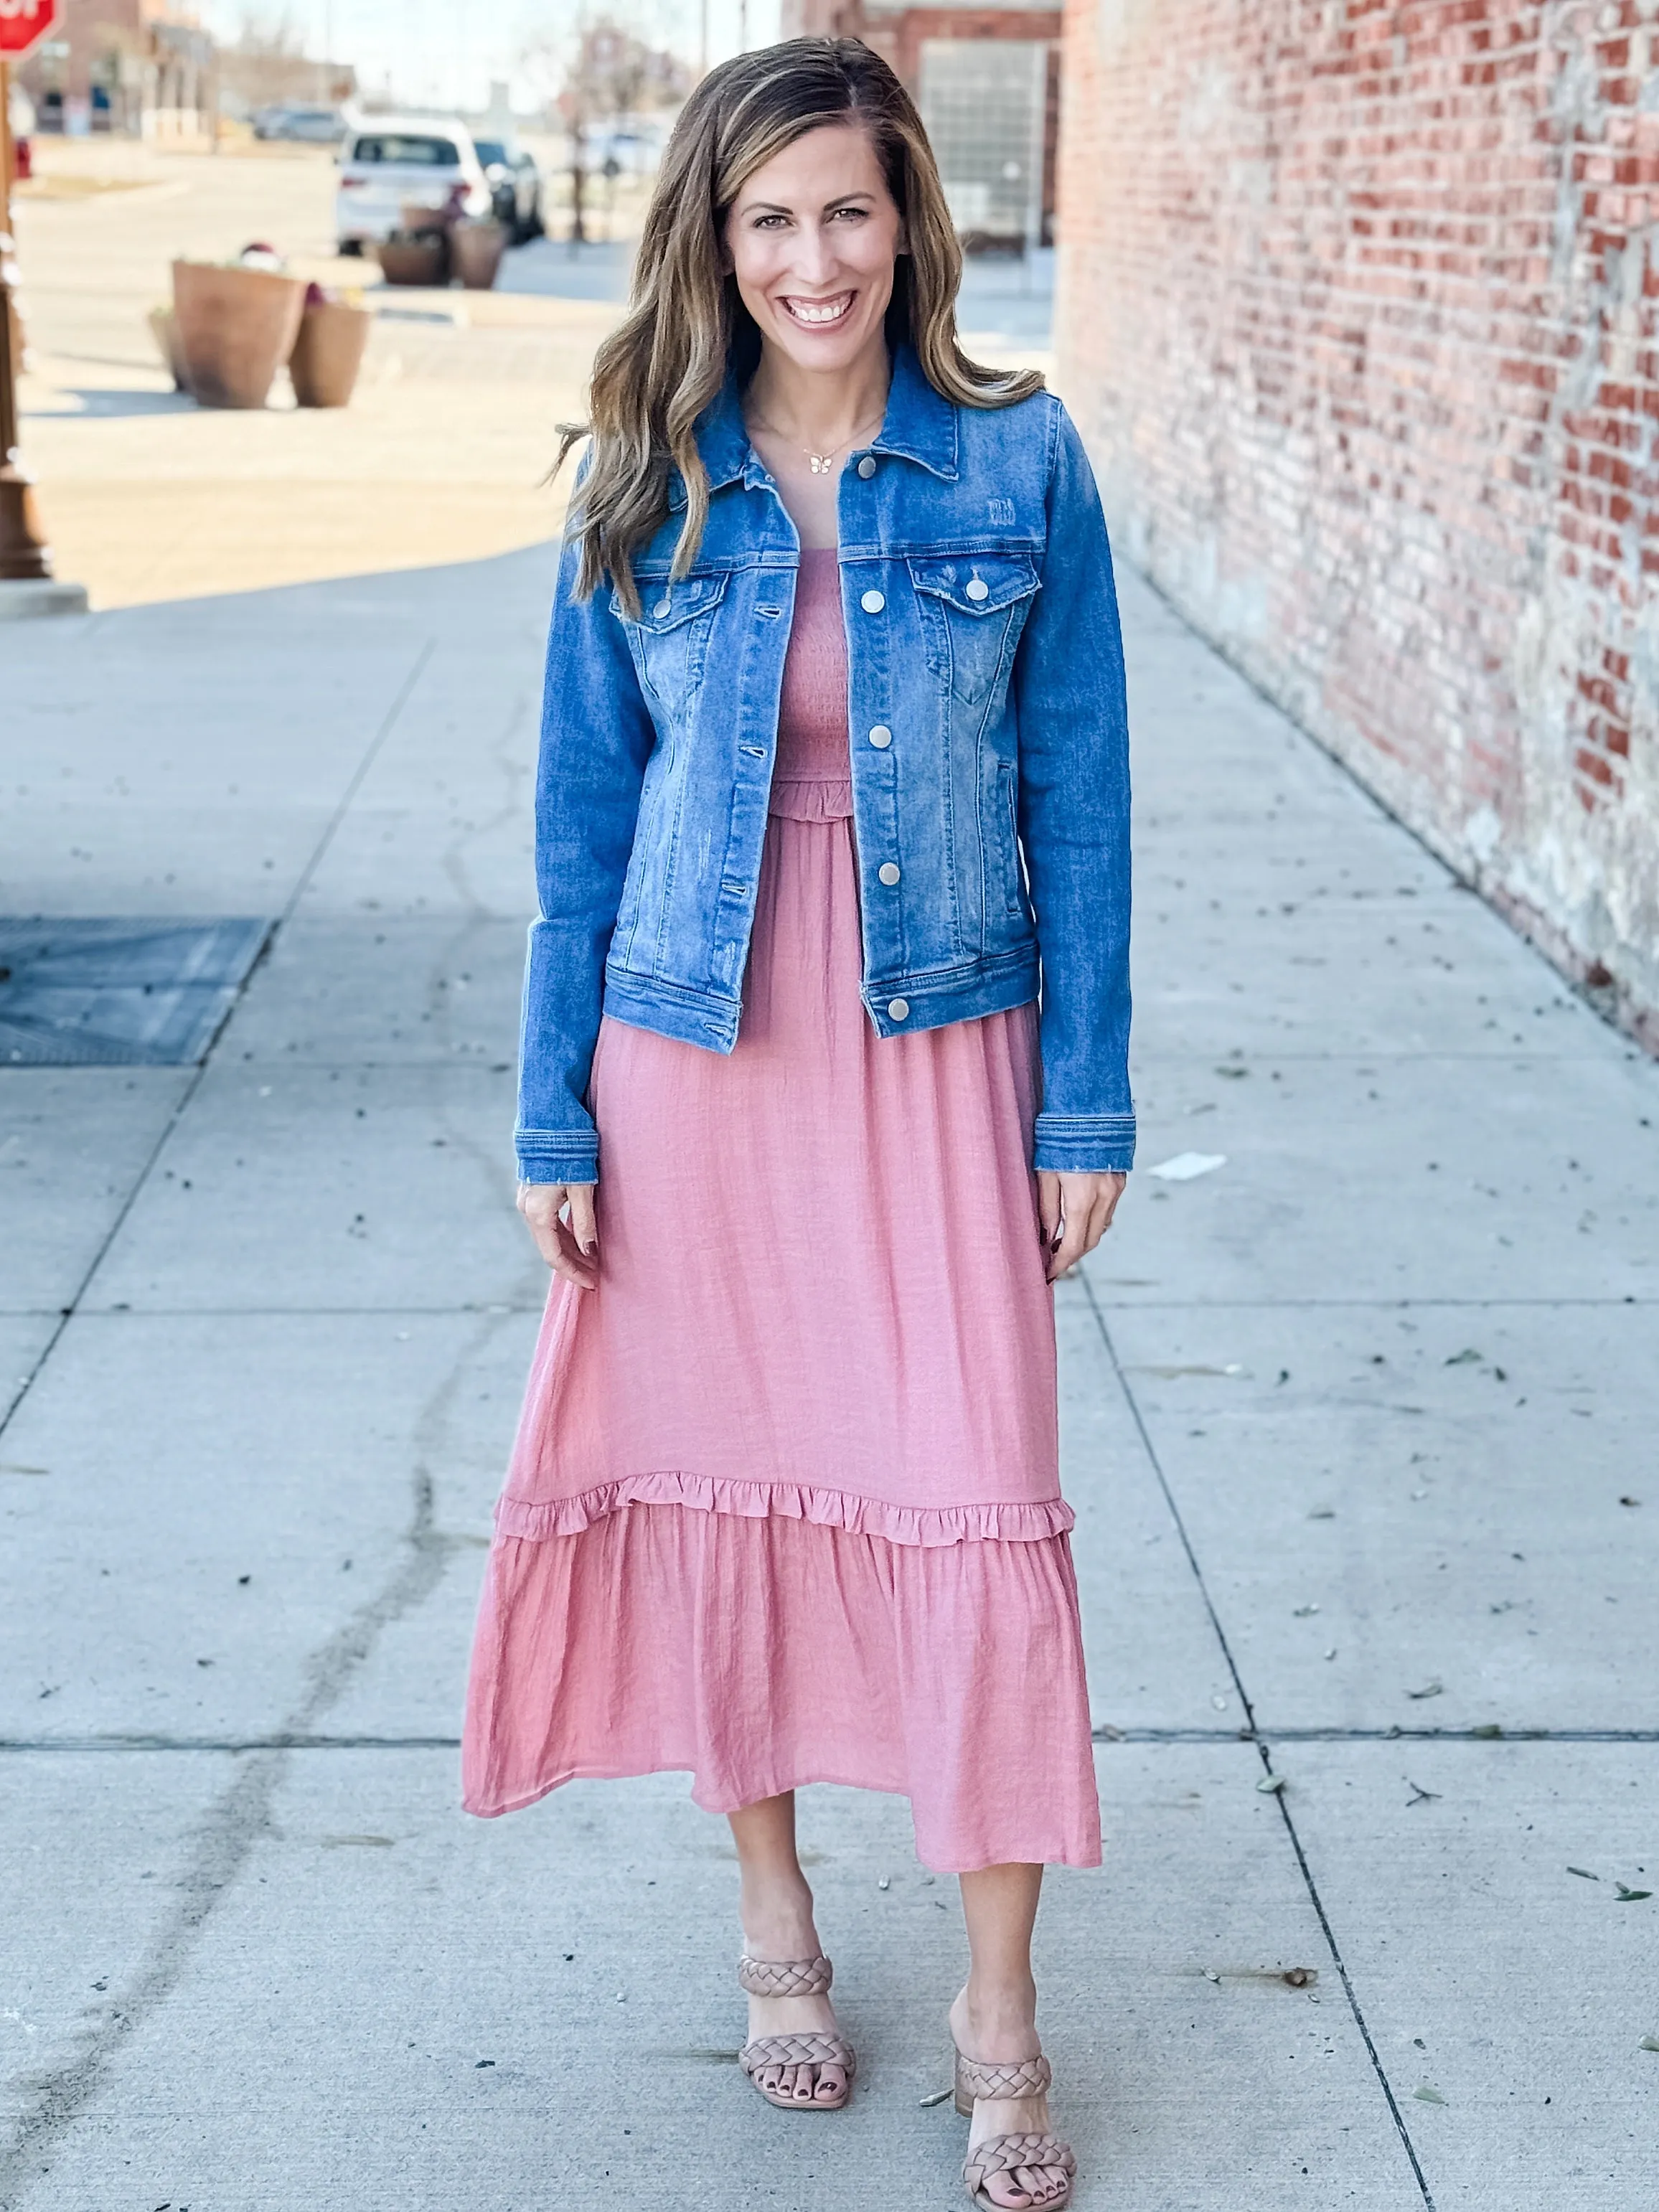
(881,737)
(979,589)
(866,468)
(897,1009)
(663,607)
(872,603)
(889,871)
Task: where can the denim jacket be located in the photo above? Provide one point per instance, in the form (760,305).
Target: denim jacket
(989,752)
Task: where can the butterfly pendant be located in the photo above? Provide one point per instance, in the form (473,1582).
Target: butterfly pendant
(822,463)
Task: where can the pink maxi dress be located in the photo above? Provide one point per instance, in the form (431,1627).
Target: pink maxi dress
(784,1505)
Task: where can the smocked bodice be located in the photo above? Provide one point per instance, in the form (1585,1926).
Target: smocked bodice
(812,779)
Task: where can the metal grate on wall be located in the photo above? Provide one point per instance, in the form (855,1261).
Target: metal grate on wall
(119,993)
(984,102)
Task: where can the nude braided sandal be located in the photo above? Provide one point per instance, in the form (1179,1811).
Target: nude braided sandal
(1029,2077)
(793,1978)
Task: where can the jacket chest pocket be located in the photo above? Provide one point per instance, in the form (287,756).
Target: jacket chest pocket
(669,637)
(973,609)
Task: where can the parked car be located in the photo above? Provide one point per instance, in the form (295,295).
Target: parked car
(398,163)
(315,126)
(515,184)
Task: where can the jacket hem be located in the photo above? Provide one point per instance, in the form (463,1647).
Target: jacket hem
(992,986)
(932,1001)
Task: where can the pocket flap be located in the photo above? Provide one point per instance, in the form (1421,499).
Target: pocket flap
(976,583)
(664,606)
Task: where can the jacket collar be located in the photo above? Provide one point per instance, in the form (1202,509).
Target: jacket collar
(920,425)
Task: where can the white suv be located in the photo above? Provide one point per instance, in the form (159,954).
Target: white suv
(397,162)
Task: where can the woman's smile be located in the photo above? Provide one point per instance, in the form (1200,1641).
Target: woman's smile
(818,314)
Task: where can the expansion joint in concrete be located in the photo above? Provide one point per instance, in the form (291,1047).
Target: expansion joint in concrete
(1252,1734)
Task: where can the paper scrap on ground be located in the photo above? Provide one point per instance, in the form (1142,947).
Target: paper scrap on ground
(1185,1165)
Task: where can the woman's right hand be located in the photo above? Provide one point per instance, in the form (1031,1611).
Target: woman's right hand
(560,1218)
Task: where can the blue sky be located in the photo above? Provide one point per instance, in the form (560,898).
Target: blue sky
(445,52)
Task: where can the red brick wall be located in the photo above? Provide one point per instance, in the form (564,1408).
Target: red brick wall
(1359,311)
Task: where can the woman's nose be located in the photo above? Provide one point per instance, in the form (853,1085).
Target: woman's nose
(816,258)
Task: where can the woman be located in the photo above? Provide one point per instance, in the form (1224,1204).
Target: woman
(834,771)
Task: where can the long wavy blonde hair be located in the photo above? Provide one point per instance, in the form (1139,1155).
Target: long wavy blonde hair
(686,325)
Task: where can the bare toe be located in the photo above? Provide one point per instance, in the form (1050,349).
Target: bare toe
(832,2085)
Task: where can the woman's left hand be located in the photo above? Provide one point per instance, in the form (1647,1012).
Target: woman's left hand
(1076,1212)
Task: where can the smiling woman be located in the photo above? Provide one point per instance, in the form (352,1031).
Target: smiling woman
(833,779)
(702,307)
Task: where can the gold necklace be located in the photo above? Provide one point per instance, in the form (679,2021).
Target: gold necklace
(822,464)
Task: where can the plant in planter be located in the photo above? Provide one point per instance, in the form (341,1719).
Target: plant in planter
(414,257)
(418,251)
(328,351)
(234,325)
(475,248)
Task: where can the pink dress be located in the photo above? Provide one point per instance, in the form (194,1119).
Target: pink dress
(784,1505)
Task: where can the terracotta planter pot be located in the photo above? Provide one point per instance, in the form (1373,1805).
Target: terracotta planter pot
(328,354)
(164,329)
(422,260)
(475,251)
(235,328)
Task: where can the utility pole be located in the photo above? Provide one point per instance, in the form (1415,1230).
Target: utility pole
(26,584)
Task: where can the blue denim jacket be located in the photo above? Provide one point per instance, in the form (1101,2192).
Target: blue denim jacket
(989,752)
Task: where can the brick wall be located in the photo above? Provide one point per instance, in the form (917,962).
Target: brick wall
(1359,313)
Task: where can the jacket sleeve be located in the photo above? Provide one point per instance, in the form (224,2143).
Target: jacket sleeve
(1074,824)
(596,739)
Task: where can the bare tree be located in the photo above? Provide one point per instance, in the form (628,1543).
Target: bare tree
(603,69)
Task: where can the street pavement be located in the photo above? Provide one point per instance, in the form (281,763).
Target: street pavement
(442,456)
(1359,1426)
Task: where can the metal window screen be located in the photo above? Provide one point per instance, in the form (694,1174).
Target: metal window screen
(983,102)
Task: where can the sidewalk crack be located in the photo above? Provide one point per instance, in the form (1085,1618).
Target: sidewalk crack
(1253,1735)
(225,1837)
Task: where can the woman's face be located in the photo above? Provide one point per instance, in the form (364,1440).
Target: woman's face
(811,239)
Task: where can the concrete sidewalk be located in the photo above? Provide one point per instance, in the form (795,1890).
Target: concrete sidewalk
(1357,1425)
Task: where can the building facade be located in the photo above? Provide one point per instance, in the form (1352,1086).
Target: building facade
(1359,313)
(987,81)
(144,67)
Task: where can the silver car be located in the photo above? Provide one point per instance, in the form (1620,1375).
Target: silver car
(516,183)
(398,164)
(316,126)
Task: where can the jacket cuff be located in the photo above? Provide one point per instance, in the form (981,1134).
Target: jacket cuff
(1086,1144)
(558,1156)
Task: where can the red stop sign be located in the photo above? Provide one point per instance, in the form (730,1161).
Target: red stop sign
(23,24)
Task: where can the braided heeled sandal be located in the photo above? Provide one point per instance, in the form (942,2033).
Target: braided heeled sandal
(793,1978)
(1028,2077)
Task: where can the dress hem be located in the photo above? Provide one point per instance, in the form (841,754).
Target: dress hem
(1085,1856)
(932,1527)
